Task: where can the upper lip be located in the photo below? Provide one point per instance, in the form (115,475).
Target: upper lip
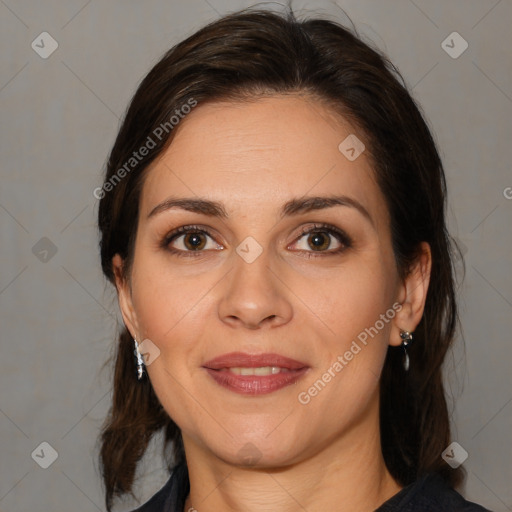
(244,360)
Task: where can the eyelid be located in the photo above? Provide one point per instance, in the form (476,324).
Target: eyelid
(184,230)
(322,227)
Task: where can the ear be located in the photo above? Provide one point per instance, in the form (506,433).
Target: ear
(124,296)
(412,295)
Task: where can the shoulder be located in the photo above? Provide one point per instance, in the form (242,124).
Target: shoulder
(171,497)
(430,493)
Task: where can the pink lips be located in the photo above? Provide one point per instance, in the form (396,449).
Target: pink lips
(290,371)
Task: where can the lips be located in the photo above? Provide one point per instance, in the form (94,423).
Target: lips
(243,360)
(254,374)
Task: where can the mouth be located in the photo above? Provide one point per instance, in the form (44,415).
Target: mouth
(260,370)
(255,374)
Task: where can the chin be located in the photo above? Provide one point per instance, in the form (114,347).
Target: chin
(259,453)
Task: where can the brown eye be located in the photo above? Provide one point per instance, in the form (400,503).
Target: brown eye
(194,241)
(322,239)
(188,240)
(319,241)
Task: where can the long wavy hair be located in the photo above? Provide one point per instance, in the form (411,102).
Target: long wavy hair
(240,57)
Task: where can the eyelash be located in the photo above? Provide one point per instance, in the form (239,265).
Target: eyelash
(340,235)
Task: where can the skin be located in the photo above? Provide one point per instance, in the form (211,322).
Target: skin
(254,157)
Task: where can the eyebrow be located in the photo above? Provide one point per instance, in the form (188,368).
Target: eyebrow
(295,206)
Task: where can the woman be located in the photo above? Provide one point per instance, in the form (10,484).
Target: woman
(273,220)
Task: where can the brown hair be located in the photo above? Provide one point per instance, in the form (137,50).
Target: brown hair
(242,56)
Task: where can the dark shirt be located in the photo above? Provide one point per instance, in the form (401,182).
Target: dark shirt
(428,494)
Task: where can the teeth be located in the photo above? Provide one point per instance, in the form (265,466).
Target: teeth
(261,371)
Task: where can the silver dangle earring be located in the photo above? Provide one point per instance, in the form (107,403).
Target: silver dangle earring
(406,339)
(140,361)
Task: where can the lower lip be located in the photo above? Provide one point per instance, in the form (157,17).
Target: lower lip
(255,384)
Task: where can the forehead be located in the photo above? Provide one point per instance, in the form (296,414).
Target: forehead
(254,156)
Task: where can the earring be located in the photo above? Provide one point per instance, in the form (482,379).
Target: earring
(406,339)
(140,361)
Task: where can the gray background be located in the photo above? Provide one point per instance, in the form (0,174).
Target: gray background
(59,120)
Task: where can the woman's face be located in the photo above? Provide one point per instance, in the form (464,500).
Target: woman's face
(250,278)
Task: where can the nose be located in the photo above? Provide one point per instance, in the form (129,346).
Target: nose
(253,296)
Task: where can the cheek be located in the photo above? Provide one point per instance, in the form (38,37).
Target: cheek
(166,301)
(351,299)
(171,313)
(354,347)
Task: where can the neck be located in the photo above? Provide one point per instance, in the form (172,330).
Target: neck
(348,474)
